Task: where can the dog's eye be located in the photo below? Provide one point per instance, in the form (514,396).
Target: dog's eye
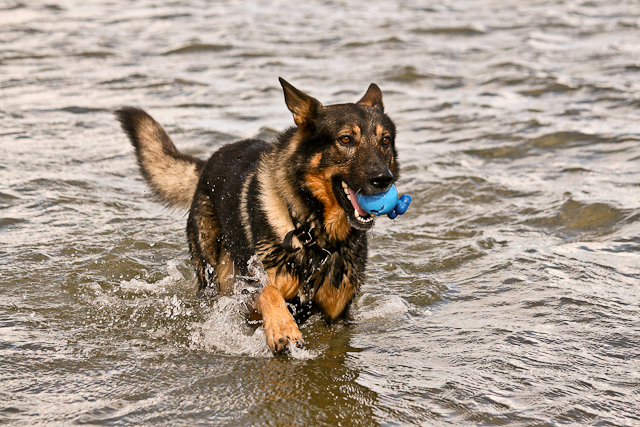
(345,139)
(386,140)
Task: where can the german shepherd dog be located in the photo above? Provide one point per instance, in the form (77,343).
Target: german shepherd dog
(292,202)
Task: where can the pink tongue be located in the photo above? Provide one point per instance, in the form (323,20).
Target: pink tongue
(354,202)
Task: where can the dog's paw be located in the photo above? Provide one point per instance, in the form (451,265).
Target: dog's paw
(282,334)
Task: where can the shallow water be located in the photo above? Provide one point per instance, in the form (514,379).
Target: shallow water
(507,295)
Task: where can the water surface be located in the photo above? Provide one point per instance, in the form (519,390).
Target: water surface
(507,295)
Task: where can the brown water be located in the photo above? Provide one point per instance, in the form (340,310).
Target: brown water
(507,295)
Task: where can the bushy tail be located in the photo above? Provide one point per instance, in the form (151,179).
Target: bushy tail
(172,176)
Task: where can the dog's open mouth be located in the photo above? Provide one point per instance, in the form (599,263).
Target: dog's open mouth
(357,216)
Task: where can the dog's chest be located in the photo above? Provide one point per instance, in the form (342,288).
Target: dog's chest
(331,283)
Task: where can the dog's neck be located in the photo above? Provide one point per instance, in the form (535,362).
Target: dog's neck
(306,237)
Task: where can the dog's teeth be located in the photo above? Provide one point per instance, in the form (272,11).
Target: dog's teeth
(355,212)
(344,185)
(346,191)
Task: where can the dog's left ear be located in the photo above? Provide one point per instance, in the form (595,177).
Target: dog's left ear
(303,107)
(373,97)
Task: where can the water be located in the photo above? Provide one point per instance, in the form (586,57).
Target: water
(507,295)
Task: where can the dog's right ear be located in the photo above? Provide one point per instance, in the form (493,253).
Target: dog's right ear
(303,107)
(373,97)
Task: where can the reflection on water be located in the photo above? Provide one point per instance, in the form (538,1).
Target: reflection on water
(508,294)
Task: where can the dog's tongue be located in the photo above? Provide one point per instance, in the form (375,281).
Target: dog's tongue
(354,202)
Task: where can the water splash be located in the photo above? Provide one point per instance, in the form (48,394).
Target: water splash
(302,353)
(381,307)
(225,330)
(165,285)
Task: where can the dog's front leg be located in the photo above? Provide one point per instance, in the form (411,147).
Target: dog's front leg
(279,325)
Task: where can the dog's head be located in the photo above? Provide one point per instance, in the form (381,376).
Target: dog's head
(344,150)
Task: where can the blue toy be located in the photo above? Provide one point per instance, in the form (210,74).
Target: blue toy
(385,203)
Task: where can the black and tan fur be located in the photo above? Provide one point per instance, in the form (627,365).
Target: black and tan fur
(251,195)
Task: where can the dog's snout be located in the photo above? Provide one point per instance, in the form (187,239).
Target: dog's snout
(381,179)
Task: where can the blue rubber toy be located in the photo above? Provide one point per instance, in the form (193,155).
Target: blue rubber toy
(385,203)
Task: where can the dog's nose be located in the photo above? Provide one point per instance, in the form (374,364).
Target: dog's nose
(381,179)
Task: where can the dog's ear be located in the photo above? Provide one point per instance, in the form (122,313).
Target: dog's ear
(304,108)
(373,97)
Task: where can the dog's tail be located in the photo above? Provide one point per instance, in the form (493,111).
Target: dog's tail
(172,176)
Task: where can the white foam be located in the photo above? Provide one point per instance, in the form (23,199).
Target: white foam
(380,307)
(173,280)
(302,353)
(175,307)
(226,330)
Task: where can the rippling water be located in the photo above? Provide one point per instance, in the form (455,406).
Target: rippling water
(507,295)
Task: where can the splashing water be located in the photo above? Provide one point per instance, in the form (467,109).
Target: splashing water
(225,330)
(168,283)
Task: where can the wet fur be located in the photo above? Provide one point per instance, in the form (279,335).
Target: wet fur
(249,194)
